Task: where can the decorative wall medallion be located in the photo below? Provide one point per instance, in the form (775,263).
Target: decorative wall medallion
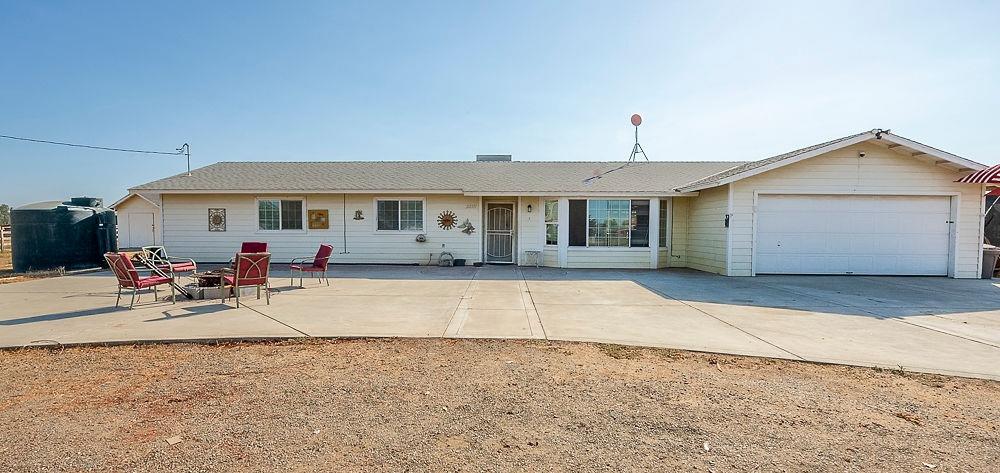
(467,227)
(319,219)
(358,215)
(216,220)
(447,219)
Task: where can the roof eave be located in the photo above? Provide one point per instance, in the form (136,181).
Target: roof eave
(922,148)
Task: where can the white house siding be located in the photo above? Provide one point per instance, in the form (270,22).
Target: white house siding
(679,227)
(664,259)
(137,205)
(881,171)
(185,225)
(624,258)
(550,257)
(706,233)
(530,228)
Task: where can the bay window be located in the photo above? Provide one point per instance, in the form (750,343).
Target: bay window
(609,223)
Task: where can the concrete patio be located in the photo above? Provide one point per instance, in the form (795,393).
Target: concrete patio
(921,324)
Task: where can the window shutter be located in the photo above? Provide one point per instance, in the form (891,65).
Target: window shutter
(577,223)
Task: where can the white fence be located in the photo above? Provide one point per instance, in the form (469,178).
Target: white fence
(5,238)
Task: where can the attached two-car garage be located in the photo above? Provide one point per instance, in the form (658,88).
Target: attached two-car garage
(873,203)
(853,234)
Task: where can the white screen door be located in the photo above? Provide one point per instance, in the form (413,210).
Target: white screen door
(499,233)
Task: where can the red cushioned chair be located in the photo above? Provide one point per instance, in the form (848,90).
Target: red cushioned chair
(251,270)
(253,247)
(157,256)
(128,277)
(250,247)
(318,264)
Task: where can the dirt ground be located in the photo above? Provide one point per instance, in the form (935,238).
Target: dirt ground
(475,405)
(7,274)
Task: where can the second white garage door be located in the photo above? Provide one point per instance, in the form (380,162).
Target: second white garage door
(851,234)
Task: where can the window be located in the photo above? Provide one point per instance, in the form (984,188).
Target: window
(275,214)
(609,223)
(399,215)
(551,222)
(639,223)
(663,223)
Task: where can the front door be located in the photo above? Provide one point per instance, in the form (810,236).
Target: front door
(499,233)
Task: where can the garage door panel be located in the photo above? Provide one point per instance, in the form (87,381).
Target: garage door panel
(847,234)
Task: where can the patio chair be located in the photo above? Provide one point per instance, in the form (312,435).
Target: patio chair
(128,278)
(250,247)
(251,270)
(318,264)
(157,255)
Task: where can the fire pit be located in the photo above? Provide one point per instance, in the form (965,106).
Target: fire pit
(207,284)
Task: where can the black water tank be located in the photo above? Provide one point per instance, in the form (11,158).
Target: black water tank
(73,234)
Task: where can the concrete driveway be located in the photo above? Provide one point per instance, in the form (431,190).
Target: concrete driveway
(921,324)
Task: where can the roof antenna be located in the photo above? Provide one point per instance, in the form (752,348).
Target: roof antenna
(637,148)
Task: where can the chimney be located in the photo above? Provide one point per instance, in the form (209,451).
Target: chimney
(493,157)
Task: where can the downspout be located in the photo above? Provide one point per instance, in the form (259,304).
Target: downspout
(345,252)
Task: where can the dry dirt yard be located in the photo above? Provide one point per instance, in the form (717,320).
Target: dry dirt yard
(7,274)
(474,405)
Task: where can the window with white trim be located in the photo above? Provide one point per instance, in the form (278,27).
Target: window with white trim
(279,214)
(551,222)
(609,223)
(399,215)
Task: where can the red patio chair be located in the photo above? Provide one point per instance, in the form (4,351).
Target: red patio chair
(157,255)
(251,270)
(250,247)
(318,264)
(128,277)
(253,247)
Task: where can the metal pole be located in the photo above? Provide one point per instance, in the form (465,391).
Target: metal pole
(186,151)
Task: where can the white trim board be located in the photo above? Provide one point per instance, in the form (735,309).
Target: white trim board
(869,136)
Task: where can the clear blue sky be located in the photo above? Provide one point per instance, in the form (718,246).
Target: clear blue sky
(433,80)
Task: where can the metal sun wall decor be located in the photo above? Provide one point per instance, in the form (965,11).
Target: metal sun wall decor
(216,220)
(447,219)
(319,219)
(467,227)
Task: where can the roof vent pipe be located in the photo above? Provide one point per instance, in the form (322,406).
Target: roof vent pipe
(493,157)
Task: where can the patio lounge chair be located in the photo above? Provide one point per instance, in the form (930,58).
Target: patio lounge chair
(318,264)
(128,278)
(157,255)
(251,270)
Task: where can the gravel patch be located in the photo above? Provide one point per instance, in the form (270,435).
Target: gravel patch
(475,405)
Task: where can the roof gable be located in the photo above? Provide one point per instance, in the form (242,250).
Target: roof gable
(896,143)
(129,196)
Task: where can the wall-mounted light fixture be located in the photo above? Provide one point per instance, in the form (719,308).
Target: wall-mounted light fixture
(529,208)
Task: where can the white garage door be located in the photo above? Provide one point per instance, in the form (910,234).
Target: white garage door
(834,234)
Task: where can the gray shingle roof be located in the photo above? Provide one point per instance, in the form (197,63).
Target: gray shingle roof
(459,176)
(715,179)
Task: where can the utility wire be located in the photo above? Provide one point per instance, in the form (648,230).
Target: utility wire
(124,150)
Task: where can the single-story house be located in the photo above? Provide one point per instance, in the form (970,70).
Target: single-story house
(869,203)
